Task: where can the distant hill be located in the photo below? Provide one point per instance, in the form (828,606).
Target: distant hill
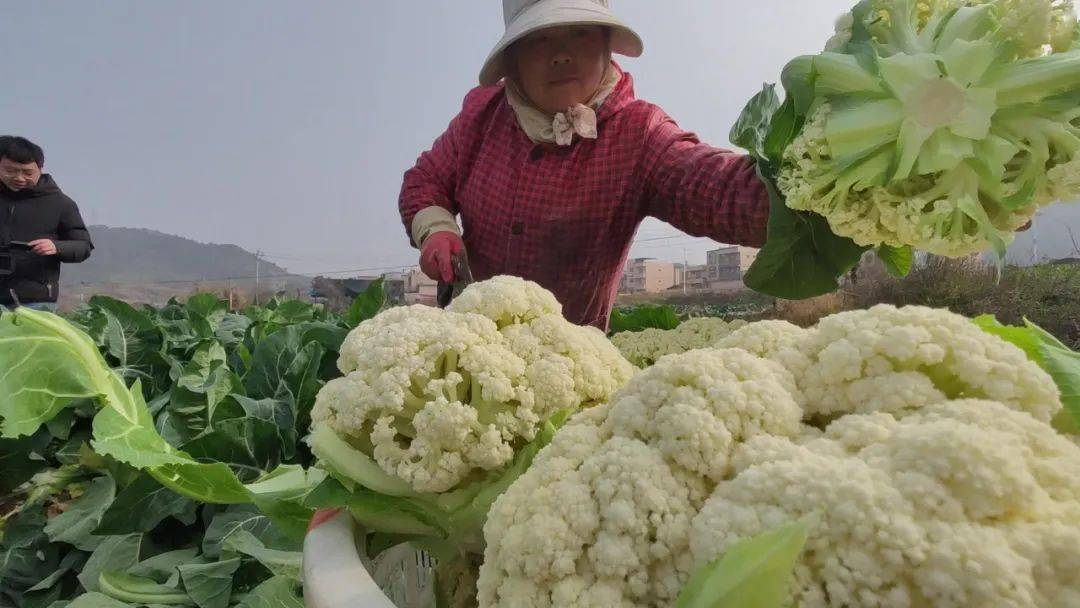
(150,266)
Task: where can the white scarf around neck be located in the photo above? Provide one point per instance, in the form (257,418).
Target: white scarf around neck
(560,128)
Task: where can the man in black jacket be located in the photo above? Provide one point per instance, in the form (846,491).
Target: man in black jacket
(40,227)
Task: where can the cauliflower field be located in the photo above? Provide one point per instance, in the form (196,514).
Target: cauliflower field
(892,457)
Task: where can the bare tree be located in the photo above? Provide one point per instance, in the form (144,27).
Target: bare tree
(1072,237)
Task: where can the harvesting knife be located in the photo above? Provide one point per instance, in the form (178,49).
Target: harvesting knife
(462,278)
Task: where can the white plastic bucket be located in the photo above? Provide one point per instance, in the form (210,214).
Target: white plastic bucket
(336,575)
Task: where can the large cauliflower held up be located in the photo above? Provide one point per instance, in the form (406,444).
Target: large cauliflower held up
(439,397)
(942,124)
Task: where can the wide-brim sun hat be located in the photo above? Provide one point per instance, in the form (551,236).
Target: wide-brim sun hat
(523,17)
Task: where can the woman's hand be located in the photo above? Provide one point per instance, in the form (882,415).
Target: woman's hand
(437,255)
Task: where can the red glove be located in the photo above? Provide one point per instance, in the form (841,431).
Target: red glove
(436,256)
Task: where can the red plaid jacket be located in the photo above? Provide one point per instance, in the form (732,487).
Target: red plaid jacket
(566,217)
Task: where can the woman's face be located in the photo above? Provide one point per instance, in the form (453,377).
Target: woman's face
(560,66)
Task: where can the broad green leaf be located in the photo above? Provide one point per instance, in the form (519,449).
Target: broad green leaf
(396,515)
(242,517)
(114,553)
(208,306)
(206,482)
(47,363)
(25,551)
(38,599)
(281,412)
(70,451)
(138,590)
(249,446)
(292,312)
(274,370)
(753,573)
(163,565)
(127,334)
(18,462)
(329,494)
(201,386)
(124,429)
(367,304)
(72,562)
(141,506)
(231,331)
(797,78)
(59,426)
(281,495)
(1056,359)
(782,129)
(1063,365)
(209,585)
(1018,336)
(76,524)
(281,563)
(290,517)
(751,128)
(276,592)
(802,258)
(897,260)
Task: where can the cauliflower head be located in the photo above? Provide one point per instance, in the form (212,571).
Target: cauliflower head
(939,124)
(602,518)
(507,300)
(438,397)
(643,348)
(958,504)
(889,359)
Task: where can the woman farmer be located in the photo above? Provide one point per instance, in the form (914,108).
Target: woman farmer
(553,163)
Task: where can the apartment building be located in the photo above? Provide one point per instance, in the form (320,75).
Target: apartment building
(649,275)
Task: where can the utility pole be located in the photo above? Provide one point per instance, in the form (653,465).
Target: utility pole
(258,259)
(685,269)
(1035,239)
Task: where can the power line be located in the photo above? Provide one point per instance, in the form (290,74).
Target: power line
(249,277)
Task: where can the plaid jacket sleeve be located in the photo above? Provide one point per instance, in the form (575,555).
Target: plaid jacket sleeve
(432,180)
(699,189)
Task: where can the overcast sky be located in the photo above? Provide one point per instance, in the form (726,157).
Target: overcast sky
(286,126)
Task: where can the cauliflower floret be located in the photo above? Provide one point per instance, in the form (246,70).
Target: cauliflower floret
(957,504)
(843,28)
(1036,24)
(436,396)
(699,332)
(888,359)
(696,407)
(507,300)
(763,338)
(590,369)
(602,516)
